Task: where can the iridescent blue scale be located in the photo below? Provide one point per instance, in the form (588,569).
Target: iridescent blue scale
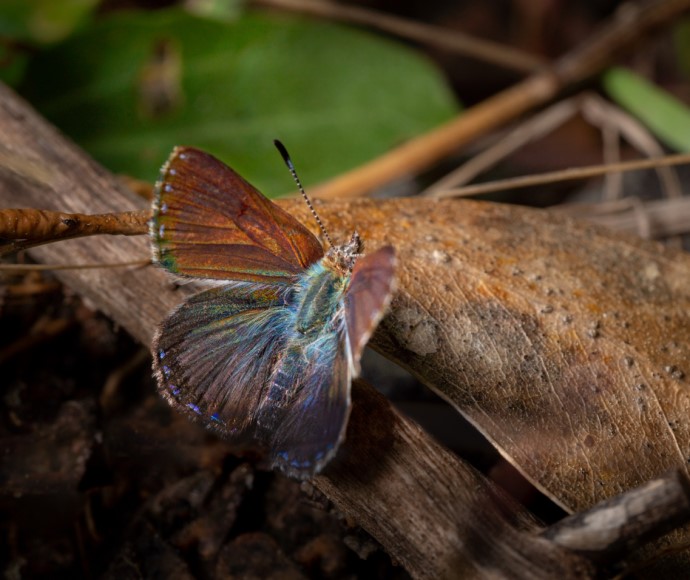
(321,290)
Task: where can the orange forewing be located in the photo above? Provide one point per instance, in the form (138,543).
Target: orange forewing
(208,222)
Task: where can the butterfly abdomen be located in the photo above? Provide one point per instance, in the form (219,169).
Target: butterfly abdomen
(281,386)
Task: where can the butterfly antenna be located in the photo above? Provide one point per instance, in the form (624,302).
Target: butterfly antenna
(286,157)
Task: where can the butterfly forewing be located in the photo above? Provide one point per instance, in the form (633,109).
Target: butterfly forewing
(367,297)
(208,222)
(213,355)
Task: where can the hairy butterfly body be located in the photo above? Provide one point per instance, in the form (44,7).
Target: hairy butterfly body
(266,359)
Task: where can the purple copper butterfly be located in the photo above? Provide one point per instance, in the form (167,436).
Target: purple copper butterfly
(265,359)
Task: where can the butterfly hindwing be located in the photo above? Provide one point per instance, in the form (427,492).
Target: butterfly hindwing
(213,355)
(208,222)
(367,297)
(305,416)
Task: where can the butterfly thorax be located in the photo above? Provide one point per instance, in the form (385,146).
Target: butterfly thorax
(321,287)
(320,291)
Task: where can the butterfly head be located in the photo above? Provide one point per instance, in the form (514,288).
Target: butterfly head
(343,257)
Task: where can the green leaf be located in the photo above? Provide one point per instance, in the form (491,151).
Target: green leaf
(43,20)
(224,10)
(131,87)
(667,117)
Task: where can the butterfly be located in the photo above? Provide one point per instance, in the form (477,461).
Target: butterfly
(265,358)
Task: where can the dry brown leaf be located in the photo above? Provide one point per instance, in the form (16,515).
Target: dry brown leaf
(565,344)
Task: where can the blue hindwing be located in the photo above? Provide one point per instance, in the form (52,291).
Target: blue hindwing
(305,414)
(213,355)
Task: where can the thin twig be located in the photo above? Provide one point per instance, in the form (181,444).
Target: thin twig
(36,224)
(571,174)
(595,110)
(450,40)
(41,267)
(533,128)
(28,228)
(588,59)
(619,525)
(660,218)
(602,113)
